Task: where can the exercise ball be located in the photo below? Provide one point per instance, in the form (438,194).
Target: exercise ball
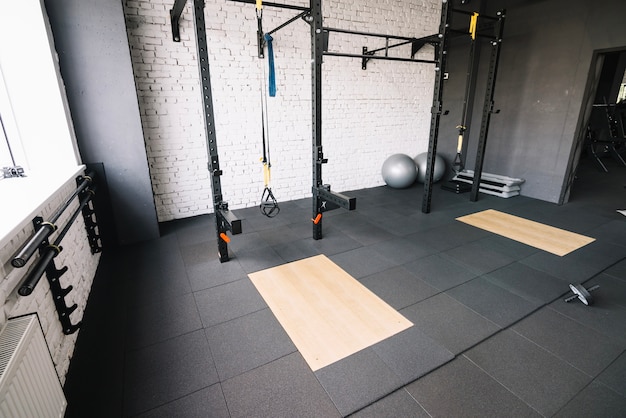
(420,162)
(399,171)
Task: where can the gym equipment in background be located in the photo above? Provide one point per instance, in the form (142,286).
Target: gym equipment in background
(581,293)
(399,171)
(420,162)
(490,28)
(269,204)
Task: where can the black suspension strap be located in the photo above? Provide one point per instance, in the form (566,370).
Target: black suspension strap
(269,204)
(458,164)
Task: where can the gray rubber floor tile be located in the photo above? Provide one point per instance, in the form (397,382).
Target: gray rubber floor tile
(369,234)
(247,342)
(427,221)
(155,274)
(284,388)
(229,301)
(258,259)
(256,221)
(279,235)
(618,270)
(440,271)
(539,378)
(452,235)
(612,289)
(449,322)
(213,273)
(613,232)
(398,404)
(398,287)
(604,317)
(577,344)
(358,380)
(361,262)
(161,320)
(296,250)
(334,242)
(479,258)
(529,283)
(580,265)
(193,230)
(402,250)
(200,252)
(507,246)
(493,302)
(164,372)
(461,389)
(247,241)
(615,375)
(207,402)
(596,400)
(411,354)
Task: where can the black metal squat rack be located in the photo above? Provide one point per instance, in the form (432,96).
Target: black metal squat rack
(323,198)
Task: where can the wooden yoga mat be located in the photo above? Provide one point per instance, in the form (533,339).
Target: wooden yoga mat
(548,238)
(326,312)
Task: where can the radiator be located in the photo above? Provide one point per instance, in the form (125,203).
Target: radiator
(29,385)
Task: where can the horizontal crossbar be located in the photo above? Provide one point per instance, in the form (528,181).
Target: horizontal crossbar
(270,4)
(378,57)
(230,221)
(339,199)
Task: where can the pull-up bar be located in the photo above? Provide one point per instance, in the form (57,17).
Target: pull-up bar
(378,57)
(290,21)
(370,54)
(270,4)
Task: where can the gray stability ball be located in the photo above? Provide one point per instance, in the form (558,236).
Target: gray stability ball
(420,162)
(399,171)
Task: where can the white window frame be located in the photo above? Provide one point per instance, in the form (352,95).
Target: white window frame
(34,109)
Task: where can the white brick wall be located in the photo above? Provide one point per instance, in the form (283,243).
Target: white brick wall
(367,115)
(82,265)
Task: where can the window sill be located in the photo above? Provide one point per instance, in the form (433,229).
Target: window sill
(23,198)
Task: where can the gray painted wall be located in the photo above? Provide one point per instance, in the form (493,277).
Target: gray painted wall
(545,62)
(91,40)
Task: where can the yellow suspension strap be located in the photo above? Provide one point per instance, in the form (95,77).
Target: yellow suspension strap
(259,30)
(473,25)
(457,164)
(269,204)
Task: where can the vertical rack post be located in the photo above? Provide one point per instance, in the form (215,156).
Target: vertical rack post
(488,107)
(317,51)
(441,51)
(224,220)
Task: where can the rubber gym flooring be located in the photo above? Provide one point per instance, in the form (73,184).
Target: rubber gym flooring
(171,332)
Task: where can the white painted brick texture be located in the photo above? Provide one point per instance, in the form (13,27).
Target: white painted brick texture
(82,265)
(367,115)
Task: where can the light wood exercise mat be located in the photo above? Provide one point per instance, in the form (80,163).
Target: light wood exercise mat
(327,313)
(548,238)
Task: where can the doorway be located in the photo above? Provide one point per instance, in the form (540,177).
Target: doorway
(598,162)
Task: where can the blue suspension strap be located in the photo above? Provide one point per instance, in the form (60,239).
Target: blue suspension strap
(272,71)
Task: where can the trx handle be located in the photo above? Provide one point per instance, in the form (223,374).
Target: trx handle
(458,164)
(269,204)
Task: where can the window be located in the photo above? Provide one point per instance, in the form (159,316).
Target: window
(37,132)
(10,145)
